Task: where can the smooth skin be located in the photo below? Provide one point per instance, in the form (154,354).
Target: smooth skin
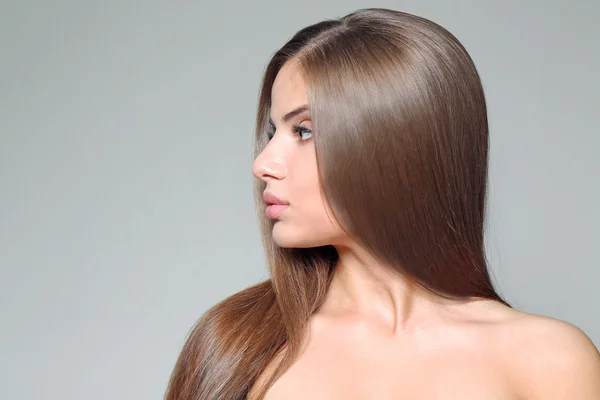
(378,337)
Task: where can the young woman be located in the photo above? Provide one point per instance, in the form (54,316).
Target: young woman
(371,166)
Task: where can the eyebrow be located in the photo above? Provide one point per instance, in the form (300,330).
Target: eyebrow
(292,114)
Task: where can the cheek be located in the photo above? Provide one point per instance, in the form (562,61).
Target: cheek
(311,210)
(314,207)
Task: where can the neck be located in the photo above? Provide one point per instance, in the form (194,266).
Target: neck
(364,288)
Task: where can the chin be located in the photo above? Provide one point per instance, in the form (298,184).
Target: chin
(285,239)
(288,238)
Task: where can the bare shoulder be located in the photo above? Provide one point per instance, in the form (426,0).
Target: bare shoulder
(263,378)
(554,359)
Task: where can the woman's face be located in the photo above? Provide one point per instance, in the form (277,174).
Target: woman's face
(288,165)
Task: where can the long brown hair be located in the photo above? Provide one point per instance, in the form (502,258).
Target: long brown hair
(401,138)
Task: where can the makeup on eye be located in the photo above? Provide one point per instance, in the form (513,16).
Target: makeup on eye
(297,129)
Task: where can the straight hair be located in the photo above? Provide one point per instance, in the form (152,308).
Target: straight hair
(401,140)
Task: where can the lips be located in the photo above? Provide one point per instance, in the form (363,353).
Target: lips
(274,211)
(271,198)
(275,205)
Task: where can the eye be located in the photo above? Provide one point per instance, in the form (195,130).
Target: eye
(302,132)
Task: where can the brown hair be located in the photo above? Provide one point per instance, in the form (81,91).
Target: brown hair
(401,139)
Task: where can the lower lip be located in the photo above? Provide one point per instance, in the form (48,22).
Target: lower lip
(274,210)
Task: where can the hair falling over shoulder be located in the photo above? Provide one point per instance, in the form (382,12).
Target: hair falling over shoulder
(375,76)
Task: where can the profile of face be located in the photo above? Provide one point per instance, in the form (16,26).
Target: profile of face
(288,165)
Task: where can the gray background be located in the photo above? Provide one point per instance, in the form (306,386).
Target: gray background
(126,208)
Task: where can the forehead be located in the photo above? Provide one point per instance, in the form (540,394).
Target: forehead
(289,90)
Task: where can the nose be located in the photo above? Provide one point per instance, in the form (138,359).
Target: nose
(268,166)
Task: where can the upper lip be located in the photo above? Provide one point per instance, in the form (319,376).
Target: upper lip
(271,198)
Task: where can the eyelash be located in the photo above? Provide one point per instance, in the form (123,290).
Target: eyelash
(297,129)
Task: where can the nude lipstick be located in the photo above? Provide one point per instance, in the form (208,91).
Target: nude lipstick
(275,205)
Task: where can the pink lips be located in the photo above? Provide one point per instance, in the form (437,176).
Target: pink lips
(275,205)
(274,210)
